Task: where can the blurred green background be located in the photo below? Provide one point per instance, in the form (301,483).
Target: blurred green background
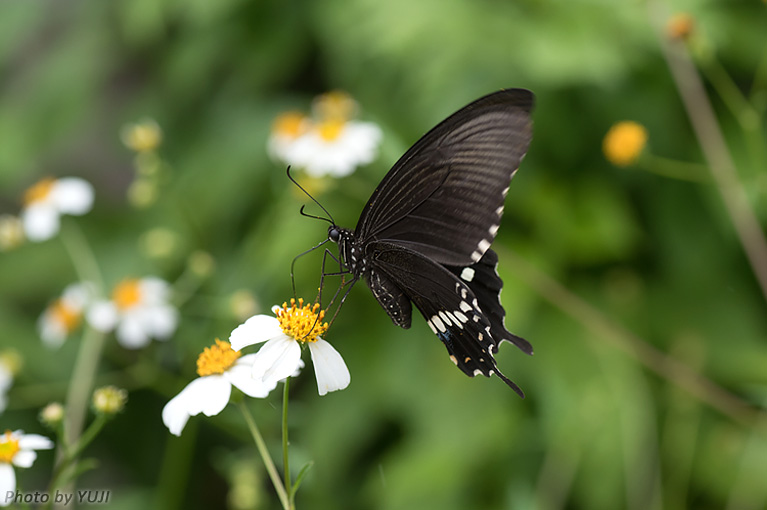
(599,429)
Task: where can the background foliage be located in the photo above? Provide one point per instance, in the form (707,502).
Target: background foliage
(602,427)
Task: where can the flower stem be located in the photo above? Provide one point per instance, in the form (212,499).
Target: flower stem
(285,460)
(715,150)
(674,169)
(89,354)
(270,468)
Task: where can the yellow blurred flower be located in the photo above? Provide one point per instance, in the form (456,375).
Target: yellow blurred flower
(143,136)
(680,26)
(334,105)
(52,414)
(11,232)
(109,400)
(624,142)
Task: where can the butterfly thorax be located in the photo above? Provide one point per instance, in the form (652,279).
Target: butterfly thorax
(352,255)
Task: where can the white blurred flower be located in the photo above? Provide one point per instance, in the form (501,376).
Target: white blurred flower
(330,143)
(284,335)
(10,364)
(139,311)
(17,449)
(47,200)
(219,368)
(6,381)
(64,315)
(336,147)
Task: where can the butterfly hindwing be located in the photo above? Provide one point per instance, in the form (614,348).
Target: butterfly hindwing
(447,303)
(444,197)
(483,279)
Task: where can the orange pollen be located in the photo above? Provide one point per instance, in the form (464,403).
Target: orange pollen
(290,124)
(39,191)
(65,315)
(330,130)
(302,322)
(9,447)
(127,293)
(216,359)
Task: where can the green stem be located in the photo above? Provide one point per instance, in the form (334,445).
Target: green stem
(91,345)
(270,468)
(285,460)
(711,140)
(82,257)
(674,169)
(80,386)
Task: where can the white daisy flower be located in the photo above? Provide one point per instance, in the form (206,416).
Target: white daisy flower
(328,143)
(139,311)
(47,200)
(286,129)
(219,368)
(335,147)
(284,335)
(17,449)
(64,315)
(10,363)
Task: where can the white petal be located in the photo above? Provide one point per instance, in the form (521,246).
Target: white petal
(131,332)
(6,377)
(208,395)
(52,332)
(40,221)
(257,329)
(78,295)
(277,359)
(161,321)
(7,483)
(102,316)
(24,458)
(329,367)
(154,290)
(240,375)
(35,442)
(72,195)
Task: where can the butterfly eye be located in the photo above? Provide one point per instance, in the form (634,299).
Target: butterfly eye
(333,234)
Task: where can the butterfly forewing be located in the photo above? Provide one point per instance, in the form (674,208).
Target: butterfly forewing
(444,197)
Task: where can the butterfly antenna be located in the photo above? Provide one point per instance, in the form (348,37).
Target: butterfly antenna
(330,216)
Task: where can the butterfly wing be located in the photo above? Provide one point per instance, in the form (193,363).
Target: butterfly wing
(450,307)
(483,280)
(444,197)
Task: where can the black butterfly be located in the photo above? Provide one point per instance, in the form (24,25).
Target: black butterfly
(425,234)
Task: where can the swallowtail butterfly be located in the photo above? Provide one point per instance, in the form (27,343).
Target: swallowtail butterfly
(424,236)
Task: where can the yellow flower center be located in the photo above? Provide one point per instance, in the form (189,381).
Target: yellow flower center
(216,359)
(330,130)
(9,447)
(39,191)
(65,315)
(335,105)
(127,293)
(302,322)
(624,142)
(290,124)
